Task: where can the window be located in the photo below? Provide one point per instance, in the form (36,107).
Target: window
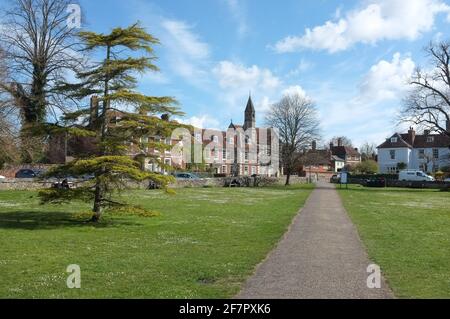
(230,140)
(224,169)
(430,139)
(253,170)
(246,170)
(269,152)
(394,140)
(435,153)
(198,137)
(392,153)
(246,155)
(216,153)
(224,154)
(421,154)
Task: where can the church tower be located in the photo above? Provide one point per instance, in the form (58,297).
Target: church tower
(250,115)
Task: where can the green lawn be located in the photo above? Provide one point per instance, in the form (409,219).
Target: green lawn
(205,243)
(407,233)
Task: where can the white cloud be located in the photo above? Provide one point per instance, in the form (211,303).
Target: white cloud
(369,115)
(295,90)
(238,12)
(239,76)
(186,41)
(388,80)
(204,121)
(237,80)
(187,53)
(376,21)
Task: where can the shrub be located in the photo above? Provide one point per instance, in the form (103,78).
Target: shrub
(366,167)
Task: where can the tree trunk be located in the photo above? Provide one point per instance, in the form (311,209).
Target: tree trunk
(288,179)
(97,210)
(103,130)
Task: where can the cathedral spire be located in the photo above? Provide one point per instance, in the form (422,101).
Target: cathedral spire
(250,114)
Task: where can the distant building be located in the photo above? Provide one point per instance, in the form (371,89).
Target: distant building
(349,155)
(331,160)
(241,150)
(427,152)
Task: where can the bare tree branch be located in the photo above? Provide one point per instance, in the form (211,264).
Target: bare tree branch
(296,119)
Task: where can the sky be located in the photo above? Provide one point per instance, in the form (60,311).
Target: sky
(353,58)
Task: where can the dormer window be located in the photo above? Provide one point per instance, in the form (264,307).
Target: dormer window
(430,139)
(394,139)
(215,139)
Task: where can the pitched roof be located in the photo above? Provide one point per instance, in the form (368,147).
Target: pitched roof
(401,142)
(250,108)
(419,141)
(342,151)
(337,158)
(437,141)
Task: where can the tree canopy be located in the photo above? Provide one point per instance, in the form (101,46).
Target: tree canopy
(123,137)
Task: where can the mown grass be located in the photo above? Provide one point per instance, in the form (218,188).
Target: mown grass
(204,244)
(407,233)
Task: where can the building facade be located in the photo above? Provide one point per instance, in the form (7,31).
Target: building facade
(427,152)
(241,150)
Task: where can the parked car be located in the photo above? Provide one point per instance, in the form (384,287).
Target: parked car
(414,176)
(64,184)
(335,179)
(26,173)
(376,182)
(185,176)
(2,177)
(447,180)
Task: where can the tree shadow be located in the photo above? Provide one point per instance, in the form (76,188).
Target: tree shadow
(390,189)
(28,220)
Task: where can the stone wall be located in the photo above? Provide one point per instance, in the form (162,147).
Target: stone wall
(23,184)
(33,184)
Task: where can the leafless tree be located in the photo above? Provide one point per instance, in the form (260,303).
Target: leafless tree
(343,140)
(428,104)
(296,119)
(368,151)
(40,50)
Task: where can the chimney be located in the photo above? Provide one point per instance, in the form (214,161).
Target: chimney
(331,145)
(93,115)
(411,135)
(339,141)
(165,117)
(314,145)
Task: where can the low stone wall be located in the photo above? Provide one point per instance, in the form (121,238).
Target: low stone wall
(23,184)
(404,184)
(33,184)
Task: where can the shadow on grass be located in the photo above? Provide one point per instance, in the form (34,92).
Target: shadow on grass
(54,220)
(388,189)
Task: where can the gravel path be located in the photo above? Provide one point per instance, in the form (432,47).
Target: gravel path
(321,256)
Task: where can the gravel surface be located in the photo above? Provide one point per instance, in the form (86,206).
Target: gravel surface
(320,257)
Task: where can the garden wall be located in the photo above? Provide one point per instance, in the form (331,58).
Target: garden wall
(404,184)
(32,184)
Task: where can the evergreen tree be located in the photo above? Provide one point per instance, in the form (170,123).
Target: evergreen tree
(117,133)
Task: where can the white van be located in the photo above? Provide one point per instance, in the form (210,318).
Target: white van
(414,176)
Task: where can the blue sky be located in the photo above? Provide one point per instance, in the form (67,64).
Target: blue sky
(353,58)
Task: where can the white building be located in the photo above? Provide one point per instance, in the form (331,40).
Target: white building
(427,152)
